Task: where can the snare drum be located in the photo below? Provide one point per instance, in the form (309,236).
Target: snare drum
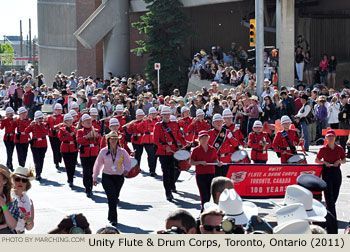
(240,157)
(183,157)
(135,169)
(297,159)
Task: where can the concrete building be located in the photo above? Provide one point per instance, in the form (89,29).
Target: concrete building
(104,33)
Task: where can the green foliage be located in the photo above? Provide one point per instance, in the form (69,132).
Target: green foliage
(7,53)
(166,28)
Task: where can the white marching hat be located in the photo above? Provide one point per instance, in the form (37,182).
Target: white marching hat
(173,118)
(93,111)
(165,110)
(58,106)
(9,110)
(184,109)
(38,114)
(257,124)
(199,112)
(285,119)
(73,113)
(74,105)
(140,112)
(293,227)
(217,117)
(114,121)
(152,110)
(314,209)
(22,110)
(119,108)
(85,117)
(67,117)
(227,113)
(235,208)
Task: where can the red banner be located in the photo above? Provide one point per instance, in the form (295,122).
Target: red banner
(266,180)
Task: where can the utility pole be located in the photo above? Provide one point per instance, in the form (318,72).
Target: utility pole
(21,38)
(259,48)
(30,40)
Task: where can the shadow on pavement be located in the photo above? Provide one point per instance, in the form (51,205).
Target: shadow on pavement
(133,230)
(127,205)
(264,205)
(185,204)
(47,182)
(188,195)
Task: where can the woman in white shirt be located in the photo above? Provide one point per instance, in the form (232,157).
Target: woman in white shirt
(115,162)
(333,111)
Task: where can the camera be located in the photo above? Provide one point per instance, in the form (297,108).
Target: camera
(174,230)
(229,227)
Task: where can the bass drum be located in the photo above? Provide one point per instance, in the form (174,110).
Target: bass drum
(240,157)
(183,158)
(297,159)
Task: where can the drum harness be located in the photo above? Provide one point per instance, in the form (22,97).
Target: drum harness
(291,147)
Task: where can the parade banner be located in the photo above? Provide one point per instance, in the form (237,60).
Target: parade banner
(268,180)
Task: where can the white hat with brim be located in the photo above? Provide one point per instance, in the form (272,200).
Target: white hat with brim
(9,110)
(73,113)
(23,172)
(257,124)
(292,212)
(214,83)
(199,112)
(165,110)
(58,106)
(184,109)
(173,118)
(119,108)
(93,111)
(22,110)
(315,210)
(217,117)
(152,110)
(74,105)
(113,122)
(67,117)
(38,114)
(296,226)
(227,113)
(85,117)
(285,119)
(139,112)
(235,208)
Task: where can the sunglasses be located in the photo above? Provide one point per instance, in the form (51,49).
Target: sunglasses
(211,228)
(21,179)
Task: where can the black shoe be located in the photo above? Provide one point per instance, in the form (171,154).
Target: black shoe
(174,190)
(348,176)
(153,174)
(38,177)
(10,167)
(89,194)
(114,223)
(170,197)
(70,184)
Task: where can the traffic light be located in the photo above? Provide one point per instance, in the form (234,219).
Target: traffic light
(252,33)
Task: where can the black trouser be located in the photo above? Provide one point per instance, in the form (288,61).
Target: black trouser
(334,125)
(88,164)
(55,146)
(168,168)
(151,150)
(344,139)
(38,156)
(138,148)
(204,183)
(331,224)
(70,160)
(259,161)
(18,104)
(10,146)
(112,184)
(22,151)
(332,176)
(221,171)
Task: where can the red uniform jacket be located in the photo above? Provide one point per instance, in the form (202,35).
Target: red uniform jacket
(53,121)
(121,119)
(21,126)
(224,153)
(135,131)
(185,125)
(122,141)
(10,127)
(97,125)
(198,126)
(163,139)
(257,150)
(88,147)
(68,142)
(237,133)
(280,144)
(39,133)
(147,128)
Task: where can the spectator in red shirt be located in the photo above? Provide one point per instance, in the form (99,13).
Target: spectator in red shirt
(200,157)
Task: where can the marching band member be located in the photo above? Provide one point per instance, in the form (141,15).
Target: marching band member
(116,163)
(222,140)
(69,146)
(200,157)
(168,137)
(38,142)
(147,127)
(21,139)
(134,129)
(285,141)
(114,126)
(234,128)
(75,116)
(119,109)
(94,119)
(185,121)
(260,142)
(53,122)
(10,126)
(75,107)
(88,139)
(198,124)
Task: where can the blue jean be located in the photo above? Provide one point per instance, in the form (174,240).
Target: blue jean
(324,78)
(250,125)
(320,126)
(305,130)
(300,70)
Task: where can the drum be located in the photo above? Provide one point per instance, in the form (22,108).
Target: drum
(240,157)
(135,169)
(183,157)
(297,159)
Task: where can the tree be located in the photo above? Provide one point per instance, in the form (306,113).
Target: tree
(166,28)
(7,53)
